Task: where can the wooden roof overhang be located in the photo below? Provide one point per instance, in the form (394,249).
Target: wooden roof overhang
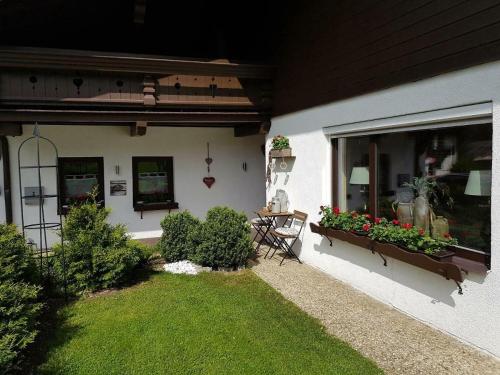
(78,87)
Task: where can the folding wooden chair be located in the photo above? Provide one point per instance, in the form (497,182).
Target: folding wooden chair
(261,226)
(284,233)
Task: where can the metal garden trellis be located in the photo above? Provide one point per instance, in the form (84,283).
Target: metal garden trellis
(41,225)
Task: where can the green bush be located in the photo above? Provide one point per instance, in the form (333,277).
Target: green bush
(19,298)
(174,244)
(97,255)
(223,240)
(16,261)
(19,312)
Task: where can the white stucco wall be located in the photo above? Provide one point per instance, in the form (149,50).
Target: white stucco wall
(474,317)
(243,191)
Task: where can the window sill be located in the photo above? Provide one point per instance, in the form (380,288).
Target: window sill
(156,206)
(451,267)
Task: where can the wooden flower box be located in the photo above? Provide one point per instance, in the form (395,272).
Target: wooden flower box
(444,264)
(285,153)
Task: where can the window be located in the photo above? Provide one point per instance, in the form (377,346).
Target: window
(153,183)
(77,178)
(457,158)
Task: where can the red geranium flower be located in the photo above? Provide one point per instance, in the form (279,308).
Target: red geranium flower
(368,216)
(354,214)
(395,222)
(447,236)
(421,231)
(336,210)
(366,227)
(378,220)
(407,226)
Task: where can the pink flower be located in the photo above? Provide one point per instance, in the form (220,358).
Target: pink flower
(378,220)
(368,216)
(366,227)
(395,222)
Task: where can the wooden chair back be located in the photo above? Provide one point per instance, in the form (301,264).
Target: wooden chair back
(301,216)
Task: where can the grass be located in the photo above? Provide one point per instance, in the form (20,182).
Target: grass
(212,323)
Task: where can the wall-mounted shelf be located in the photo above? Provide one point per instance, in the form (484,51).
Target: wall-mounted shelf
(450,267)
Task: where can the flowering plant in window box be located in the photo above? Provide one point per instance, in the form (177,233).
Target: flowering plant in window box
(353,221)
(410,237)
(382,230)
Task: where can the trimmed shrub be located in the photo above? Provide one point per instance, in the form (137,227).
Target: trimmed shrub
(16,261)
(223,240)
(97,255)
(174,244)
(19,312)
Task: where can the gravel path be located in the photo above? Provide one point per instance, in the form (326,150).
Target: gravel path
(398,343)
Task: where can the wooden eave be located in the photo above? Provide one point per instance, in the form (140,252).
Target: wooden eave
(57,59)
(124,117)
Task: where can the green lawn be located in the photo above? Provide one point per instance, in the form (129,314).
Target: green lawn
(212,323)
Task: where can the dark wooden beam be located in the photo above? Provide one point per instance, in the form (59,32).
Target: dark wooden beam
(252,129)
(70,116)
(373,168)
(12,129)
(56,59)
(138,129)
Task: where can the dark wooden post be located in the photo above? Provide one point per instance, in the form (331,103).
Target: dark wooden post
(373,167)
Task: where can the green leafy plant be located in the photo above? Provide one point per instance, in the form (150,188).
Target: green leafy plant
(19,298)
(19,312)
(97,255)
(222,240)
(174,244)
(16,260)
(280,142)
(430,189)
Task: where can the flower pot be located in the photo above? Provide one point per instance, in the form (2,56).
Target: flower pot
(422,213)
(404,212)
(442,255)
(285,153)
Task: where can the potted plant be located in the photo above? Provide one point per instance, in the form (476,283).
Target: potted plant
(281,147)
(427,192)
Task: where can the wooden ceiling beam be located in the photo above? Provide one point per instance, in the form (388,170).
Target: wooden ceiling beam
(57,59)
(112,117)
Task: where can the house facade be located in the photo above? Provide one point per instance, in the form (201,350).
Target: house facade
(370,94)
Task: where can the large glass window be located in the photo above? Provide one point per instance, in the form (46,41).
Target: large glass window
(153,183)
(77,177)
(453,163)
(357,174)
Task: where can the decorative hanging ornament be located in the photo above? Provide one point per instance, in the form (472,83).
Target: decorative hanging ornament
(209,180)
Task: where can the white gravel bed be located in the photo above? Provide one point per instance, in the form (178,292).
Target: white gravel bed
(184,267)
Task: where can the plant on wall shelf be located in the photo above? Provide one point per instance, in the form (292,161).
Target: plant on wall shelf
(280,142)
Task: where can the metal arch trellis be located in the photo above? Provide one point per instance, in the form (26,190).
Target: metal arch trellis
(42,225)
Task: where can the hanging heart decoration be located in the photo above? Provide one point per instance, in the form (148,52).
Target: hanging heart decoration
(209,181)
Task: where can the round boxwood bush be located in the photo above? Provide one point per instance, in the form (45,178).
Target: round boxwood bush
(223,240)
(174,244)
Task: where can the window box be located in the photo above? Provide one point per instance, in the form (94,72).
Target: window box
(156,206)
(448,264)
(285,153)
